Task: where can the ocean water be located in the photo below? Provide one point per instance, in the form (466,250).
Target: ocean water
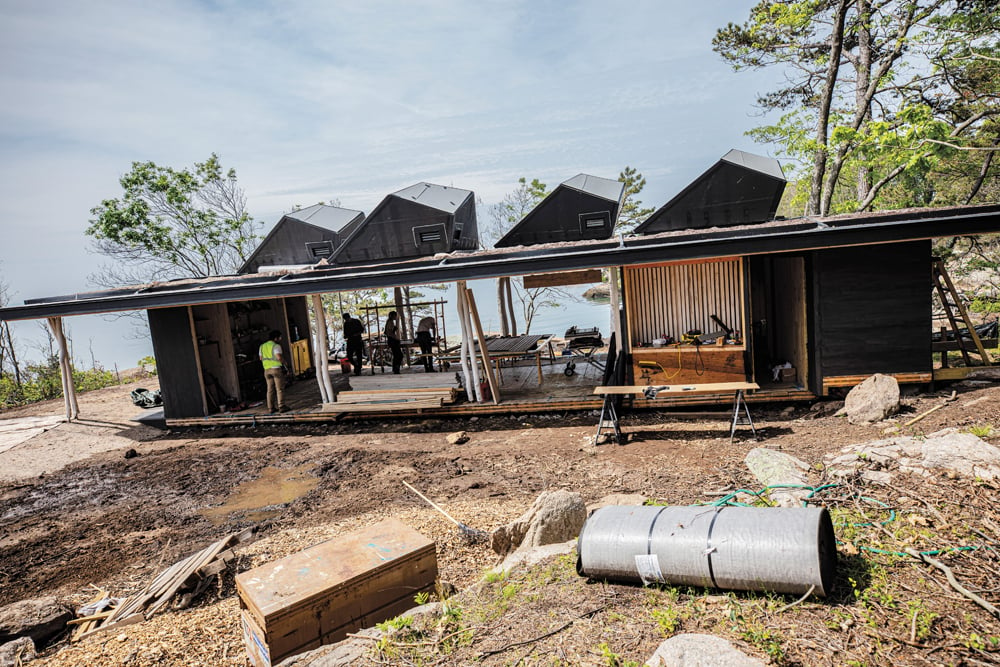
(572,311)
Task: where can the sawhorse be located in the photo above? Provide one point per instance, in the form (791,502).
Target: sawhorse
(609,420)
(741,412)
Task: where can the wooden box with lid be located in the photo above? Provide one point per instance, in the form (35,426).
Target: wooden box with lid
(318,595)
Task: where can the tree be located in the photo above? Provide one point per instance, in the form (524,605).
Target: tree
(8,351)
(173,223)
(502,217)
(511,209)
(874,93)
(632,211)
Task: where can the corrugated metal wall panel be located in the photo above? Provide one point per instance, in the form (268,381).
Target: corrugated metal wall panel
(673,299)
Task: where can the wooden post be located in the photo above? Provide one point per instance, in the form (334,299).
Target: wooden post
(510,306)
(502,307)
(66,370)
(487,367)
(471,377)
(321,351)
(616,300)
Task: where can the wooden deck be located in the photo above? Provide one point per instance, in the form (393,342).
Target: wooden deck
(520,393)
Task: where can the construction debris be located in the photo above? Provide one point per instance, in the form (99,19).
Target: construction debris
(184,580)
(389,400)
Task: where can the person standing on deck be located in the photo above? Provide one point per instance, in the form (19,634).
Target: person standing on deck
(426,333)
(353,330)
(391,332)
(272,358)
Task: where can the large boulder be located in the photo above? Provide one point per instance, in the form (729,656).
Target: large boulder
(40,619)
(691,650)
(873,400)
(555,516)
(963,454)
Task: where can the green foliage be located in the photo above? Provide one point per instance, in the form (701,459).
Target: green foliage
(981,430)
(611,659)
(923,619)
(632,211)
(752,627)
(43,381)
(176,223)
(886,105)
(422,598)
(148,363)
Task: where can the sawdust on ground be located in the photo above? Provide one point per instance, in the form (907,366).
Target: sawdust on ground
(74,511)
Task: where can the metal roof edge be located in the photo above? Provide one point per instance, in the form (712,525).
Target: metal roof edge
(796,236)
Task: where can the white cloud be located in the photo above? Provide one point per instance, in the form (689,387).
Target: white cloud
(316,101)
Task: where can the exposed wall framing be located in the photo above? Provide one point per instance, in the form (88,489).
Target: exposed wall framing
(672,299)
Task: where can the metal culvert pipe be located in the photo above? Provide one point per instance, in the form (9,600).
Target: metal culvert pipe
(780,549)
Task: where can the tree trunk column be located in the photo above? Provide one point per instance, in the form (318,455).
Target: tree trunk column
(66,370)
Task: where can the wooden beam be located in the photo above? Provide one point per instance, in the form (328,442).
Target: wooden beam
(562,278)
(487,366)
(852,380)
(957,373)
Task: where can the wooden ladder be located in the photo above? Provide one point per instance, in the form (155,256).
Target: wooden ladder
(951,302)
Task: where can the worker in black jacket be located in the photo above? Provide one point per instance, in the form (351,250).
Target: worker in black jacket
(353,330)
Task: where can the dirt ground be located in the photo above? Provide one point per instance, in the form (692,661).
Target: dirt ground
(74,511)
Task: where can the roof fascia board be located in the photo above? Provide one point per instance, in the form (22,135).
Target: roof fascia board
(632,251)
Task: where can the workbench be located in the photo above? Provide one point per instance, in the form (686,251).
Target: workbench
(609,414)
(512,348)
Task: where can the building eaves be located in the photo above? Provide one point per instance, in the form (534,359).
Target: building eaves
(780,236)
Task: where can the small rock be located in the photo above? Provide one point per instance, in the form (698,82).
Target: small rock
(528,557)
(40,619)
(772,468)
(131,454)
(17,652)
(691,650)
(617,499)
(123,637)
(877,477)
(873,400)
(458,438)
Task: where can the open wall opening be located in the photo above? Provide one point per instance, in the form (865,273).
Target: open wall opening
(779,327)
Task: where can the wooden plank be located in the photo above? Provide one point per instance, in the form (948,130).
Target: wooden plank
(709,388)
(952,345)
(957,373)
(691,364)
(852,380)
(382,406)
(88,619)
(562,278)
(483,348)
(387,394)
(196,561)
(388,400)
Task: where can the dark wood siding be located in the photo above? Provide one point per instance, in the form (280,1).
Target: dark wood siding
(873,309)
(176,364)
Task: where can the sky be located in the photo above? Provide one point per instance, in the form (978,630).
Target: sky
(342,101)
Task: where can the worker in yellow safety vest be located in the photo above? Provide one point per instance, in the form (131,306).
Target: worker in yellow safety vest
(272,358)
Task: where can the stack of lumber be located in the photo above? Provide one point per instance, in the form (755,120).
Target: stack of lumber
(389,400)
(184,580)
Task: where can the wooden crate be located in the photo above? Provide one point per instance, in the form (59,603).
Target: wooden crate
(320,594)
